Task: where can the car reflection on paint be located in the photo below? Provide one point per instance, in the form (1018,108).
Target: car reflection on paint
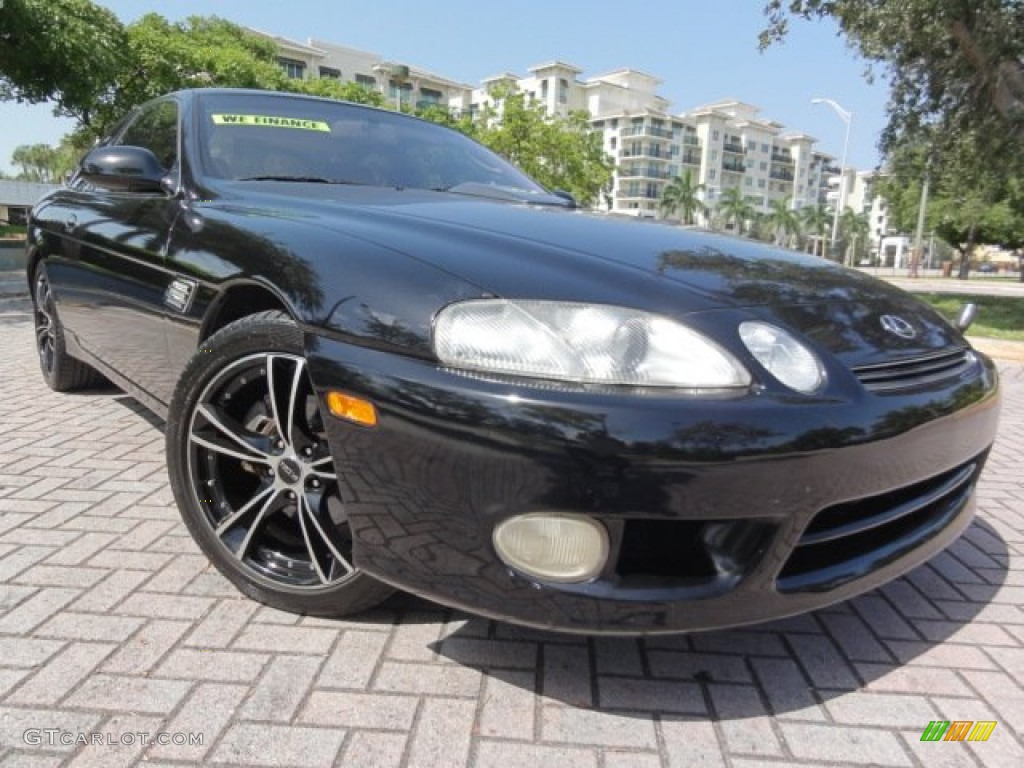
(388,359)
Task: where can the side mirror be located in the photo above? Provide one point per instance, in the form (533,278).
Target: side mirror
(570,201)
(966,317)
(123,168)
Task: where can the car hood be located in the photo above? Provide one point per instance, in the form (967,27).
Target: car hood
(516,250)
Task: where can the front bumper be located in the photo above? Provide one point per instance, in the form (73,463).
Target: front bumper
(721,511)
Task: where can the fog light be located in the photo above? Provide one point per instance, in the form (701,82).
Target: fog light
(551,546)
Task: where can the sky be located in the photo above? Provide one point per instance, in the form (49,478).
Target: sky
(702,50)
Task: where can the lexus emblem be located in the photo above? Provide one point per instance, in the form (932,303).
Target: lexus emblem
(897,326)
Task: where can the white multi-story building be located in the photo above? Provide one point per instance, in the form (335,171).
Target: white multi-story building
(724,145)
(399,83)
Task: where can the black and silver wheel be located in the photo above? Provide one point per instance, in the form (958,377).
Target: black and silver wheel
(61,372)
(252,472)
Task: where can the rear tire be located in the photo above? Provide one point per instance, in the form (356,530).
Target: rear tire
(61,371)
(252,473)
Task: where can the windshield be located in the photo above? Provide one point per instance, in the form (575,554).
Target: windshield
(288,138)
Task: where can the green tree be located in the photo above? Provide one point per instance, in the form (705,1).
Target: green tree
(783,222)
(855,232)
(335,89)
(201,51)
(970,203)
(41,162)
(68,52)
(560,153)
(682,196)
(816,220)
(734,210)
(955,70)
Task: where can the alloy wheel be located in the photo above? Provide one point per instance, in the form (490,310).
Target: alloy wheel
(46,332)
(261,471)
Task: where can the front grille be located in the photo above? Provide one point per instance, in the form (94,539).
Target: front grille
(913,372)
(850,540)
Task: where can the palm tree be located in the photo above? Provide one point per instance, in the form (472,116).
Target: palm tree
(734,209)
(815,219)
(682,195)
(783,221)
(854,228)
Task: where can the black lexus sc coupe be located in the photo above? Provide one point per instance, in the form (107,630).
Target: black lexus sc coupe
(388,359)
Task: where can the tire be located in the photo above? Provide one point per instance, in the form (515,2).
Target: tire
(252,473)
(61,372)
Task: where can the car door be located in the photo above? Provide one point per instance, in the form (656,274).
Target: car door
(112,279)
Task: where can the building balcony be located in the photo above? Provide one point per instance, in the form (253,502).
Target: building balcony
(652,153)
(642,172)
(691,141)
(736,149)
(779,175)
(690,159)
(831,170)
(733,167)
(637,196)
(646,130)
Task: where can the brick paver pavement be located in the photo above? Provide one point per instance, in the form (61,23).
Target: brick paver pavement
(112,623)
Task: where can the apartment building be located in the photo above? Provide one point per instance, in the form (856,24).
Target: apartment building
(727,144)
(400,83)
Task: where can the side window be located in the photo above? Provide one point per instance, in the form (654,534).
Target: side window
(156,129)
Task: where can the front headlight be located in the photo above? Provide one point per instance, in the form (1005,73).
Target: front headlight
(581,343)
(783,356)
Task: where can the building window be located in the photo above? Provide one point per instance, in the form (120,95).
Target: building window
(751,145)
(712,173)
(714,154)
(394,88)
(765,148)
(330,73)
(615,122)
(544,89)
(429,96)
(612,142)
(294,68)
(760,183)
(764,165)
(366,81)
(714,135)
(748,181)
(563,91)
(17,215)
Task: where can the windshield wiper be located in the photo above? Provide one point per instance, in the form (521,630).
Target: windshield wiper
(303,179)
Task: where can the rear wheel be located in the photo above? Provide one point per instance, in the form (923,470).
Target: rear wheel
(252,472)
(61,372)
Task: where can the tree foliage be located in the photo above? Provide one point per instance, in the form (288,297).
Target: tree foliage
(815,221)
(783,222)
(971,202)
(67,52)
(681,195)
(955,69)
(561,153)
(43,163)
(733,210)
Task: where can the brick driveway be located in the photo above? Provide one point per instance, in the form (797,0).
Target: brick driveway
(112,623)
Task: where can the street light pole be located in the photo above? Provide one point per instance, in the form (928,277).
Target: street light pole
(846,117)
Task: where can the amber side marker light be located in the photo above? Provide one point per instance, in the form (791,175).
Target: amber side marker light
(352,409)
